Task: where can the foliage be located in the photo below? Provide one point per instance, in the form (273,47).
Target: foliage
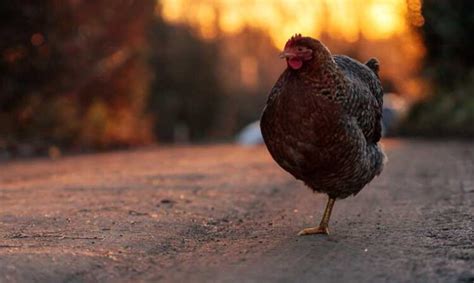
(446,114)
(185,94)
(74,73)
(78,75)
(449,66)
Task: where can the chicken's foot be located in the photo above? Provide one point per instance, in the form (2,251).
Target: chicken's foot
(323,226)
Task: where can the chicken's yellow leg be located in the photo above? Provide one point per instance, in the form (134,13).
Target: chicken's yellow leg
(323,226)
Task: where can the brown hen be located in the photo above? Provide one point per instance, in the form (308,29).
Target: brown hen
(322,121)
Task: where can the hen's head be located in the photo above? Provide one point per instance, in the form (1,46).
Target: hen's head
(302,50)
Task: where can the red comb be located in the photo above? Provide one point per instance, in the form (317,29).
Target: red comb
(293,39)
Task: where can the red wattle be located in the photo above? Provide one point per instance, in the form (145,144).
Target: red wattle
(295,63)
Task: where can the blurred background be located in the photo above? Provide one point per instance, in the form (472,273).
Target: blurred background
(82,75)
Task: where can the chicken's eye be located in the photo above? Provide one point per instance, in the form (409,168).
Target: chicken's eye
(300,48)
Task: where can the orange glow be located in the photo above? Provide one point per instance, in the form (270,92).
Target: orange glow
(37,39)
(248,71)
(342,19)
(360,28)
(385,19)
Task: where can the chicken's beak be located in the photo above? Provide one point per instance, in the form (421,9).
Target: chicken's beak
(287,54)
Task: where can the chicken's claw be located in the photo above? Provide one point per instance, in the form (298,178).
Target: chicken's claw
(314,230)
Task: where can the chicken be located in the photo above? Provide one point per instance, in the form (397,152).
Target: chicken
(322,121)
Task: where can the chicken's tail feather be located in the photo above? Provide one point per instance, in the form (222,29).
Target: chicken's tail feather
(374,65)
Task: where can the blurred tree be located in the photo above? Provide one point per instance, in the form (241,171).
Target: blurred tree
(449,66)
(208,89)
(249,66)
(447,32)
(74,72)
(186,93)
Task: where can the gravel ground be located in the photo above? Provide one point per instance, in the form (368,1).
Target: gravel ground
(230,214)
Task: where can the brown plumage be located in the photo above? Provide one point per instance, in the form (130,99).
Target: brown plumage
(322,121)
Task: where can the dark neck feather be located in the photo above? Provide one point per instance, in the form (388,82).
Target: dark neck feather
(324,78)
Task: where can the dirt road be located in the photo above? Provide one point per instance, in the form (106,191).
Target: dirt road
(229,214)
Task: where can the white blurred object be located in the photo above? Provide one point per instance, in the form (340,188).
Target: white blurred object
(395,107)
(250,135)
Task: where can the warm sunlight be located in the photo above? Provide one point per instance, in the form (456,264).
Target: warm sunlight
(380,28)
(384,19)
(342,19)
